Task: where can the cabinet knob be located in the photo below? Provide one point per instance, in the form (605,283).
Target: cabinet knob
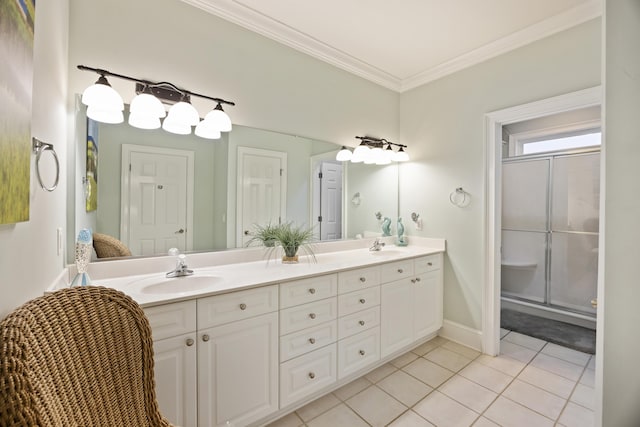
(312,340)
(361,323)
(363,279)
(362,352)
(190,342)
(312,315)
(205,338)
(429,263)
(400,270)
(413,280)
(312,291)
(362,301)
(312,375)
(594,303)
(243,306)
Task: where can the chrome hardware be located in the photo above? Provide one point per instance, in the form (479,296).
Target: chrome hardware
(312,375)
(361,323)
(377,245)
(205,338)
(312,315)
(190,342)
(362,301)
(312,291)
(243,306)
(181,265)
(400,270)
(417,279)
(312,340)
(362,352)
(363,279)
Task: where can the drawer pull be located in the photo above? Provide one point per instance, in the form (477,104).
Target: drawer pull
(312,291)
(243,306)
(400,270)
(363,279)
(312,315)
(190,342)
(361,323)
(417,279)
(362,301)
(205,338)
(312,340)
(362,352)
(429,263)
(312,375)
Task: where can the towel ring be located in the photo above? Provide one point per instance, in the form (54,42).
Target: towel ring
(38,148)
(454,197)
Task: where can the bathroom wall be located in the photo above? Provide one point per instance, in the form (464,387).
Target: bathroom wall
(28,256)
(443,124)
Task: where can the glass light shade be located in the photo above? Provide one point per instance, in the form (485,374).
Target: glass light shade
(175,127)
(183,113)
(401,156)
(142,121)
(344,155)
(383,159)
(105,116)
(360,154)
(206,130)
(218,118)
(148,105)
(102,96)
(377,156)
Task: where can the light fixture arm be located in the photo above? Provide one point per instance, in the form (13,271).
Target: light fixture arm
(143,82)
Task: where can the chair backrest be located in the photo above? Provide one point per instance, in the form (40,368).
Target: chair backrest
(109,247)
(81,356)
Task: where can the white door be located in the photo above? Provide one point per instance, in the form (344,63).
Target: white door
(238,372)
(261,189)
(175,378)
(157,199)
(330,201)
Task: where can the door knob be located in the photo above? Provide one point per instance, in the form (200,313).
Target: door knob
(246,232)
(181,231)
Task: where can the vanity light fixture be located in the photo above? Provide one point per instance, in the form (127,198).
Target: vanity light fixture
(105,105)
(372,151)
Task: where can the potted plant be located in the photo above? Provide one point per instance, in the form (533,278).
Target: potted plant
(289,237)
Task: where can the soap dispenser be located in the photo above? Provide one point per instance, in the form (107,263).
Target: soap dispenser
(84,247)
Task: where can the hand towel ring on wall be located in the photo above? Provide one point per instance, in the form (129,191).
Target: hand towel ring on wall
(38,148)
(459,197)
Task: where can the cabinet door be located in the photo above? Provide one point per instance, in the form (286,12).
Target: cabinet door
(396,317)
(175,377)
(427,304)
(238,371)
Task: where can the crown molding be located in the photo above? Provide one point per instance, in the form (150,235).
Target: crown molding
(257,22)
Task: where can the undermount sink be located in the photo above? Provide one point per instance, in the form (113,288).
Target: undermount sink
(174,285)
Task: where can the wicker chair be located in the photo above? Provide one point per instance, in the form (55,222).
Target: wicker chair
(109,247)
(78,357)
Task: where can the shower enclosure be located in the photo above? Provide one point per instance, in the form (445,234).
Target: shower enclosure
(550,213)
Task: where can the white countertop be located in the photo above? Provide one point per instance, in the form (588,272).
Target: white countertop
(209,279)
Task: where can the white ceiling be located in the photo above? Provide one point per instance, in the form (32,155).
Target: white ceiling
(403,44)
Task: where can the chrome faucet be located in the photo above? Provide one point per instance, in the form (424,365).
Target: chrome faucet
(377,245)
(181,269)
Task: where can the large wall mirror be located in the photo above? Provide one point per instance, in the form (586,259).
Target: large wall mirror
(153,190)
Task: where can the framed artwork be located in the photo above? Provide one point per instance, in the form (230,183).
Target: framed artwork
(16,80)
(92,165)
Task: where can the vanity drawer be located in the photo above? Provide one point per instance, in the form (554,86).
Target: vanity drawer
(358,351)
(307,340)
(308,290)
(307,315)
(307,374)
(396,270)
(358,322)
(220,309)
(428,263)
(359,300)
(349,281)
(170,320)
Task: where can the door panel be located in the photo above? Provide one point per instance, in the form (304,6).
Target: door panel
(331,201)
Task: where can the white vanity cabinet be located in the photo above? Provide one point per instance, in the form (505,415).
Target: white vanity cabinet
(411,303)
(174,345)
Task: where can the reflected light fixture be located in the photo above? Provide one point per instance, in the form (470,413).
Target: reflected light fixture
(372,151)
(146,110)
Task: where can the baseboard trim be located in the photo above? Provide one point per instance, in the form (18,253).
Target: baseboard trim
(461,334)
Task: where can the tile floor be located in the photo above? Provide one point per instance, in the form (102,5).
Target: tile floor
(532,383)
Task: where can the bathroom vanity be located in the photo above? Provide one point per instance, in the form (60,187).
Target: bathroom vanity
(247,342)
